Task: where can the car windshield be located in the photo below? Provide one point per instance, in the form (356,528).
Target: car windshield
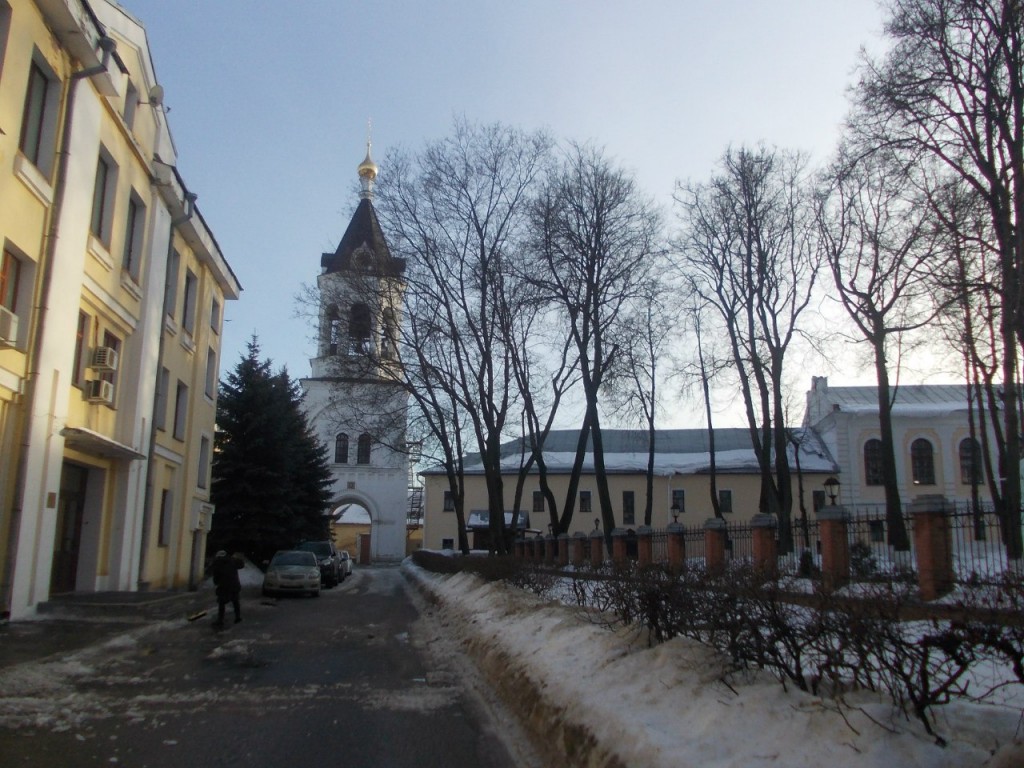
(293,558)
(321,548)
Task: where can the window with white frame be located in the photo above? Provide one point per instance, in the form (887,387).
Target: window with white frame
(135,229)
(180,411)
(166,508)
(211,373)
(725,501)
(585,505)
(215,316)
(873,474)
(449,502)
(970,462)
(171,288)
(341,448)
(538,501)
(363,449)
(628,508)
(922,462)
(203,479)
(160,407)
(188,309)
(104,188)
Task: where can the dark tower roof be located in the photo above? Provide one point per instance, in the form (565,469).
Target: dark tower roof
(363,230)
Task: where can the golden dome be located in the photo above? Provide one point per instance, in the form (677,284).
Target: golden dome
(367,169)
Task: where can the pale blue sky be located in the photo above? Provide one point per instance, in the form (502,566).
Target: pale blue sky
(269,103)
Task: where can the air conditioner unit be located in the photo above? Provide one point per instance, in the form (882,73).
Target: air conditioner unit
(100,391)
(8,327)
(104,359)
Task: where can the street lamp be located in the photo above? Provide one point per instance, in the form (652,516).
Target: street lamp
(674,509)
(832,489)
(597,523)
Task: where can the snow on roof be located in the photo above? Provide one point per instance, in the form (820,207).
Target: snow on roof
(480,518)
(677,451)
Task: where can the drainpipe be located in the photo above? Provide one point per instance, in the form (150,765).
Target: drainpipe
(107,45)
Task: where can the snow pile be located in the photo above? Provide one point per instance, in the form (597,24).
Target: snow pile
(602,697)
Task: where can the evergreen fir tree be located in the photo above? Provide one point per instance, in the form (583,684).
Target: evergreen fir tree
(271,480)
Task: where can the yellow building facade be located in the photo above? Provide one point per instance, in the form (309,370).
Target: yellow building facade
(112,304)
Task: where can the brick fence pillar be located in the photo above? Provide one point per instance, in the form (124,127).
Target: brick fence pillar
(765,546)
(833,528)
(619,550)
(579,541)
(550,545)
(676,546)
(528,550)
(934,545)
(645,545)
(714,544)
(518,549)
(563,549)
(596,549)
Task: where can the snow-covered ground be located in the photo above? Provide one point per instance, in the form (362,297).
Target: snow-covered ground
(603,697)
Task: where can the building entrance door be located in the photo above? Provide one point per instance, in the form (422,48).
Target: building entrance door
(68,541)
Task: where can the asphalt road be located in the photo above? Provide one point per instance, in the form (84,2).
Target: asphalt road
(359,677)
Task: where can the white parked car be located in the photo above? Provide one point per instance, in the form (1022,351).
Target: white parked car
(346,563)
(292,571)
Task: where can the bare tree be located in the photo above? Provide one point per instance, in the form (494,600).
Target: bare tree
(749,250)
(455,211)
(594,239)
(951,88)
(878,236)
(635,388)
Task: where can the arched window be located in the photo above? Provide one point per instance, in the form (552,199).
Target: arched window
(922,462)
(341,449)
(363,449)
(359,326)
(333,331)
(389,349)
(970,462)
(873,474)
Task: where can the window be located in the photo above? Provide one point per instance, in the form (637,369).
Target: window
(725,502)
(215,316)
(171,289)
(818,500)
(628,512)
(585,507)
(970,462)
(211,373)
(39,120)
(5,29)
(164,532)
(162,386)
(359,330)
(538,501)
(203,480)
(134,231)
(679,499)
(81,347)
(341,449)
(180,410)
(10,278)
(103,191)
(131,103)
(922,462)
(333,331)
(447,543)
(873,462)
(449,502)
(188,309)
(363,449)
(390,347)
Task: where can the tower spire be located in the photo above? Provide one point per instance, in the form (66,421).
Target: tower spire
(367,169)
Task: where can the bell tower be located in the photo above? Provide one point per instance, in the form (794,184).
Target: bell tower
(354,399)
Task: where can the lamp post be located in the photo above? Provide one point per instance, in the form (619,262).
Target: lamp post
(832,489)
(597,523)
(674,509)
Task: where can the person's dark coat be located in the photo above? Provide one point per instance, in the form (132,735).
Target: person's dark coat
(225,576)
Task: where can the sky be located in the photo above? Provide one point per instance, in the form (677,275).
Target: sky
(269,105)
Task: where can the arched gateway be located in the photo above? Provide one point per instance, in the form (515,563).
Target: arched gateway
(353,400)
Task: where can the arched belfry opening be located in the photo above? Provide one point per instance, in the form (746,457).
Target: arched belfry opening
(353,398)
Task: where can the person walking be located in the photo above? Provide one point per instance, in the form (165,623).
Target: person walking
(225,576)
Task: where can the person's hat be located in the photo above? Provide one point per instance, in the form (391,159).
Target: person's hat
(221,553)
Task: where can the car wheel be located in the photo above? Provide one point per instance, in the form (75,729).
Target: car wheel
(316,593)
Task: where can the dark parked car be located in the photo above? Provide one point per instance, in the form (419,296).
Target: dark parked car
(327,558)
